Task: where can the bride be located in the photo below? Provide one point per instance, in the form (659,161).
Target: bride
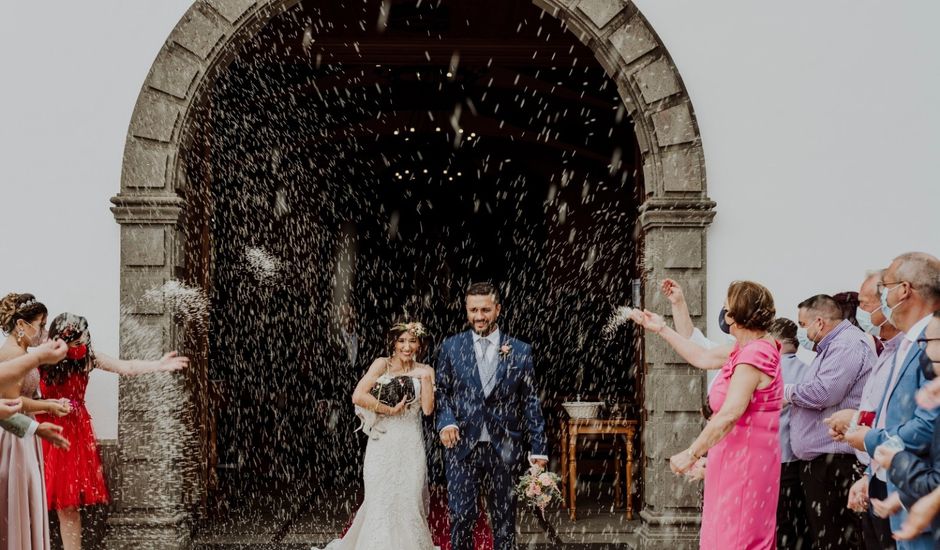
(394,511)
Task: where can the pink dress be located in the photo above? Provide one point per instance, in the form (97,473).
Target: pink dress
(24,520)
(742,478)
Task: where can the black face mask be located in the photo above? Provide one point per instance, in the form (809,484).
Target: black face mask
(926,366)
(722,324)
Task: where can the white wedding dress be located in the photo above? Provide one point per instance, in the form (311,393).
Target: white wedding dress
(394,512)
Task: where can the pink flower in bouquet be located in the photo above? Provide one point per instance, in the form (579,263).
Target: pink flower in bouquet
(530,491)
(546,479)
(542,501)
(535,488)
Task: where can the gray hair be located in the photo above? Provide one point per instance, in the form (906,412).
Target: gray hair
(922,271)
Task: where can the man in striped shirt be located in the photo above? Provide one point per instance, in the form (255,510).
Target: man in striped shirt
(834,382)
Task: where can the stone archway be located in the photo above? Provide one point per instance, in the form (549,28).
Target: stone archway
(150,208)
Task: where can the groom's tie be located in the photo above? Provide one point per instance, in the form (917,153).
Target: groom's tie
(487,367)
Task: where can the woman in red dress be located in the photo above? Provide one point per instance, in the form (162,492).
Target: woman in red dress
(74,477)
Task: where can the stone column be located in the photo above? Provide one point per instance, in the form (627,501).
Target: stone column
(673,390)
(150,511)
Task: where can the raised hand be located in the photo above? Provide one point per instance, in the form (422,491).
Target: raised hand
(173,361)
(51,352)
(672,291)
(53,434)
(9,407)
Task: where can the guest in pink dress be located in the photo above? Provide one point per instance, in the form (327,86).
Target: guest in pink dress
(742,476)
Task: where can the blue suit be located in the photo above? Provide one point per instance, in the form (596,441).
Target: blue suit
(513,418)
(911,423)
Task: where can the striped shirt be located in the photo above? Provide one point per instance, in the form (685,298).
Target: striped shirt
(835,381)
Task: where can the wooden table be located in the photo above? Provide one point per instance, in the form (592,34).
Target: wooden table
(574,427)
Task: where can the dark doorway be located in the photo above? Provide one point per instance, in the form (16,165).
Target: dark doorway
(378,161)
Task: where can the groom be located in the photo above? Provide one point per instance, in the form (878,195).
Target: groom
(486,399)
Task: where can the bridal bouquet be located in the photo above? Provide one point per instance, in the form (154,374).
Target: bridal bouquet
(539,488)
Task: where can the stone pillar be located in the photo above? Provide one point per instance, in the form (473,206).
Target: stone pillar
(673,390)
(150,510)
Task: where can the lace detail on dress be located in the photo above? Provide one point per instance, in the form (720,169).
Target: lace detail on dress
(394,512)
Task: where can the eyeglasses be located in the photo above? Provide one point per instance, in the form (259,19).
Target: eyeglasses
(882,285)
(922,342)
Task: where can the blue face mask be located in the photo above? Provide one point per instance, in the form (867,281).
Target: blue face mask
(803,337)
(885,308)
(865,323)
(722,323)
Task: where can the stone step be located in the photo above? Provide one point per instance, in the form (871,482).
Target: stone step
(297,546)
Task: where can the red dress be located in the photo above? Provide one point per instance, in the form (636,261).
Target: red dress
(74,477)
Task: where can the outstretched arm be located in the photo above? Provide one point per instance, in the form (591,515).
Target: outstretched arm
(55,407)
(696,355)
(49,353)
(133,367)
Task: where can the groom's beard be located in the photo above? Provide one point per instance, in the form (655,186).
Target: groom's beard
(485,331)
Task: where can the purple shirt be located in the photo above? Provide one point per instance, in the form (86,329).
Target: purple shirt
(835,381)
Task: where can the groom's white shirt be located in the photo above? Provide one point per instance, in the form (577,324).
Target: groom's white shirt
(494,339)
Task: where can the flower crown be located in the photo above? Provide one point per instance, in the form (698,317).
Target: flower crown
(415,328)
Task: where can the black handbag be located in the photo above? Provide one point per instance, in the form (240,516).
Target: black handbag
(392,392)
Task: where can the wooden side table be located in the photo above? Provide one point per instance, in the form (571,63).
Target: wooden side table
(574,427)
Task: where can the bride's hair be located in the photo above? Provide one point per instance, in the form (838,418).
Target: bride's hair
(415,328)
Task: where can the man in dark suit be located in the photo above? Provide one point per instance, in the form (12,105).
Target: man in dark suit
(914,476)
(487,402)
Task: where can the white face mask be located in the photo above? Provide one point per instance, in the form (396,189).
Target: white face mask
(803,336)
(865,323)
(37,338)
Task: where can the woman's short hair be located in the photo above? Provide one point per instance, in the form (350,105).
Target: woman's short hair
(751,305)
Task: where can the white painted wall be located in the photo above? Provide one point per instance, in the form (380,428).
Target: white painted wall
(70,70)
(821,128)
(820,121)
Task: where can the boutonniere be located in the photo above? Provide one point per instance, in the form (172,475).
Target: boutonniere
(505,350)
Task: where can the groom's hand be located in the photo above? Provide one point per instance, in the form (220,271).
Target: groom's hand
(450,436)
(540,462)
